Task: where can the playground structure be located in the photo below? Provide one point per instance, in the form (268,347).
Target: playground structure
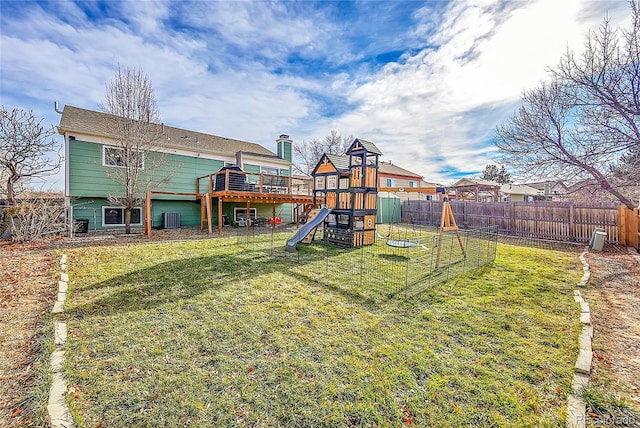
(348,185)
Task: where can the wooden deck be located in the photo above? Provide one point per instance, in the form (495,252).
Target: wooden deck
(239,186)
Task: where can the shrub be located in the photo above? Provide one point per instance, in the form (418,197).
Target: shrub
(35,219)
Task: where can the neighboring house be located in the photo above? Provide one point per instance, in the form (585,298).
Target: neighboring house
(90,154)
(478,190)
(519,193)
(555,191)
(390,175)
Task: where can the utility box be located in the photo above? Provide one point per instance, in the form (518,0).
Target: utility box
(593,235)
(171,220)
(598,239)
(82,225)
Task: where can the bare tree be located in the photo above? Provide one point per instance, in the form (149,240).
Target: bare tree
(27,150)
(310,152)
(581,124)
(136,158)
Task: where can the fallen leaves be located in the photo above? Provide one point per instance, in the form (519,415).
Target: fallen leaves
(27,290)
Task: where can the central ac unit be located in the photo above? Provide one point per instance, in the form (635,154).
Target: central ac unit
(170,220)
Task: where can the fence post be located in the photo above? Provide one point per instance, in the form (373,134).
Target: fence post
(512,226)
(572,232)
(622,224)
(464,213)
(632,226)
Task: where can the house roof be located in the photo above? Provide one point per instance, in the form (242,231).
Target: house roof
(90,122)
(518,189)
(475,181)
(389,168)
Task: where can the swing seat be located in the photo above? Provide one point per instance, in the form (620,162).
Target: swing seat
(402,243)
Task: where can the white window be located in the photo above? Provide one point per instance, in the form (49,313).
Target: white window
(413,184)
(114,156)
(332,182)
(114,216)
(320,182)
(269,170)
(391,182)
(241,214)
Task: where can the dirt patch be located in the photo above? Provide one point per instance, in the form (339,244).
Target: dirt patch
(27,291)
(614,296)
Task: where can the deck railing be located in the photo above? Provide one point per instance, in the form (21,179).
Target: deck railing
(240,181)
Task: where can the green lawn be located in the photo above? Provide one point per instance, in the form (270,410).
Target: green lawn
(211,334)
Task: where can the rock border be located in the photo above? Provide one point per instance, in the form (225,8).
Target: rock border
(57,408)
(576,409)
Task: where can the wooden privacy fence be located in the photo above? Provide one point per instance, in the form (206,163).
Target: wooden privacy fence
(558,221)
(629,226)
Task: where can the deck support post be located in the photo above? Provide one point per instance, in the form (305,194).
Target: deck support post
(147,214)
(219,216)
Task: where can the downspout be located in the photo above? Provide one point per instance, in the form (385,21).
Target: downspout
(67,198)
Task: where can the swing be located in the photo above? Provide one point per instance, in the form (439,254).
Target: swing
(400,243)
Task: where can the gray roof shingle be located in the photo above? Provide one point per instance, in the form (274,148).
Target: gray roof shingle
(90,122)
(339,161)
(369,146)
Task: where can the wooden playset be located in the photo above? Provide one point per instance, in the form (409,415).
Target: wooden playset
(348,186)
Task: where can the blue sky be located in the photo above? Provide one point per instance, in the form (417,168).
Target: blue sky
(427,81)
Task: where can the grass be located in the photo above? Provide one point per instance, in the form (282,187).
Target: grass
(207,334)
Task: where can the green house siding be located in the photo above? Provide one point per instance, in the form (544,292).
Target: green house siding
(90,184)
(92,210)
(284,151)
(89,178)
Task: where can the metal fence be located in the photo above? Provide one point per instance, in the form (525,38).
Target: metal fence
(404,260)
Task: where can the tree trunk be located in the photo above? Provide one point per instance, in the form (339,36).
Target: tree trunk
(11,199)
(127,220)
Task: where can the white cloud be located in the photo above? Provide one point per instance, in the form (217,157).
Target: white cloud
(443,102)
(432,112)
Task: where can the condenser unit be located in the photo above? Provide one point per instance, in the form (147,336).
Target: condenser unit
(170,220)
